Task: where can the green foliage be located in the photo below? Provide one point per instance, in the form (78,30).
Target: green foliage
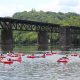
(64,19)
(25,37)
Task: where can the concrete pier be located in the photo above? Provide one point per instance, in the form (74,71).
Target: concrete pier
(65,39)
(42,40)
(6,40)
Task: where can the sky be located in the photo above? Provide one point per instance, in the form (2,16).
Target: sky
(9,7)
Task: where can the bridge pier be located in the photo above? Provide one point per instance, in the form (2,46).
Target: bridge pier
(42,40)
(65,39)
(6,40)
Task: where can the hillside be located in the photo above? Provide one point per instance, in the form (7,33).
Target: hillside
(64,19)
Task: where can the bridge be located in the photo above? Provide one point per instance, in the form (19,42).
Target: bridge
(7,25)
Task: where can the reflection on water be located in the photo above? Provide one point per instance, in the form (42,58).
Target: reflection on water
(40,69)
(34,48)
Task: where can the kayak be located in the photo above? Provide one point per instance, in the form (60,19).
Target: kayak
(7,62)
(63,60)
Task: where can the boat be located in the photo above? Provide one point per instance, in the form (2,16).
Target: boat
(30,56)
(74,54)
(54,52)
(36,56)
(63,59)
(7,62)
(49,54)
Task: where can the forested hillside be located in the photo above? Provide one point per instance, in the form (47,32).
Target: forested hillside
(64,19)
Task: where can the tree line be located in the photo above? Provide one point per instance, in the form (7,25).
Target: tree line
(64,19)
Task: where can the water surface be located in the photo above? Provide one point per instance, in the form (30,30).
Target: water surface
(41,69)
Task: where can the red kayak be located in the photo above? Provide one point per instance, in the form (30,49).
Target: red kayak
(54,53)
(7,62)
(30,56)
(49,54)
(74,54)
(63,59)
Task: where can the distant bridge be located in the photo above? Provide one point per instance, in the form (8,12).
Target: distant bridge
(25,25)
(7,25)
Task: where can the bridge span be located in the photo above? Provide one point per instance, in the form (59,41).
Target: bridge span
(8,25)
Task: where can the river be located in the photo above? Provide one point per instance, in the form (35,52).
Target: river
(41,69)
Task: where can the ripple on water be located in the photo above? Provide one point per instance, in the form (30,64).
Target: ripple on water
(40,69)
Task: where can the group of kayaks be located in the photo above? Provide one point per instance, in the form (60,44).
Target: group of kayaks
(66,59)
(63,59)
(11,58)
(43,55)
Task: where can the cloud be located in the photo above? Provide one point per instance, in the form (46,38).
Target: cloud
(53,5)
(3,10)
(9,10)
(10,7)
(77,8)
(69,5)
(60,6)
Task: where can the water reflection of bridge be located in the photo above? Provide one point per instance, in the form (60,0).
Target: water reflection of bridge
(7,25)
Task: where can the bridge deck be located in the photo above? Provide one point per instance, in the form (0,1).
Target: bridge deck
(26,25)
